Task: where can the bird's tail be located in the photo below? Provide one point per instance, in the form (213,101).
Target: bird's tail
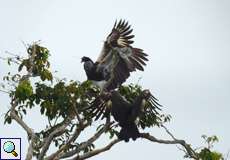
(129,131)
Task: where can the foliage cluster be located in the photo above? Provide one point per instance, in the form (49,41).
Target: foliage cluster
(60,100)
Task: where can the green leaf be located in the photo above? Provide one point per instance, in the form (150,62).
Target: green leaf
(8,119)
(24,90)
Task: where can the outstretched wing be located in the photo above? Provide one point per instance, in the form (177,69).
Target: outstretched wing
(126,60)
(150,115)
(119,37)
(102,106)
(118,57)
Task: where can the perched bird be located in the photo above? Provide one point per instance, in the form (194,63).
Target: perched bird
(99,76)
(116,60)
(92,70)
(124,112)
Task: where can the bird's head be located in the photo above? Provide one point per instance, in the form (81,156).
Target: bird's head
(85,59)
(146,94)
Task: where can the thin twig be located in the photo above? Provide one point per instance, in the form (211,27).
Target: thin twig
(11,59)
(7,92)
(166,129)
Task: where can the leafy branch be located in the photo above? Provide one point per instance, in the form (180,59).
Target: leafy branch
(64,104)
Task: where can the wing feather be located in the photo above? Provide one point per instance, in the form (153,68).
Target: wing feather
(128,60)
(136,64)
(120,35)
(120,73)
(99,106)
(119,57)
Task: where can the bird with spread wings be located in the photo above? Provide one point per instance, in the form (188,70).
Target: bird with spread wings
(126,113)
(116,60)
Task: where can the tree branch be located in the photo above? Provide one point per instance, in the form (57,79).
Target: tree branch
(29,130)
(21,123)
(4,91)
(11,59)
(189,150)
(96,151)
(88,142)
(169,133)
(59,130)
(75,135)
(14,116)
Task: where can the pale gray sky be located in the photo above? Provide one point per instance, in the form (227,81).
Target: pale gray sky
(188,46)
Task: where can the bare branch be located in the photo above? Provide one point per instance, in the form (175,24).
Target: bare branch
(75,135)
(187,147)
(29,130)
(21,123)
(166,129)
(97,151)
(14,55)
(11,59)
(189,150)
(59,130)
(96,135)
(7,92)
(88,142)
(29,154)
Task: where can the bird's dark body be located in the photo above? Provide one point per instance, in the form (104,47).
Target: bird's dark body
(123,111)
(90,69)
(93,72)
(126,114)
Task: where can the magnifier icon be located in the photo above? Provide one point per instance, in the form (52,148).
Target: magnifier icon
(9,147)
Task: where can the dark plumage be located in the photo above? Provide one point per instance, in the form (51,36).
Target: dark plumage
(92,71)
(124,112)
(117,58)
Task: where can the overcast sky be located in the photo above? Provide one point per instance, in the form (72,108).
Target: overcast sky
(188,42)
